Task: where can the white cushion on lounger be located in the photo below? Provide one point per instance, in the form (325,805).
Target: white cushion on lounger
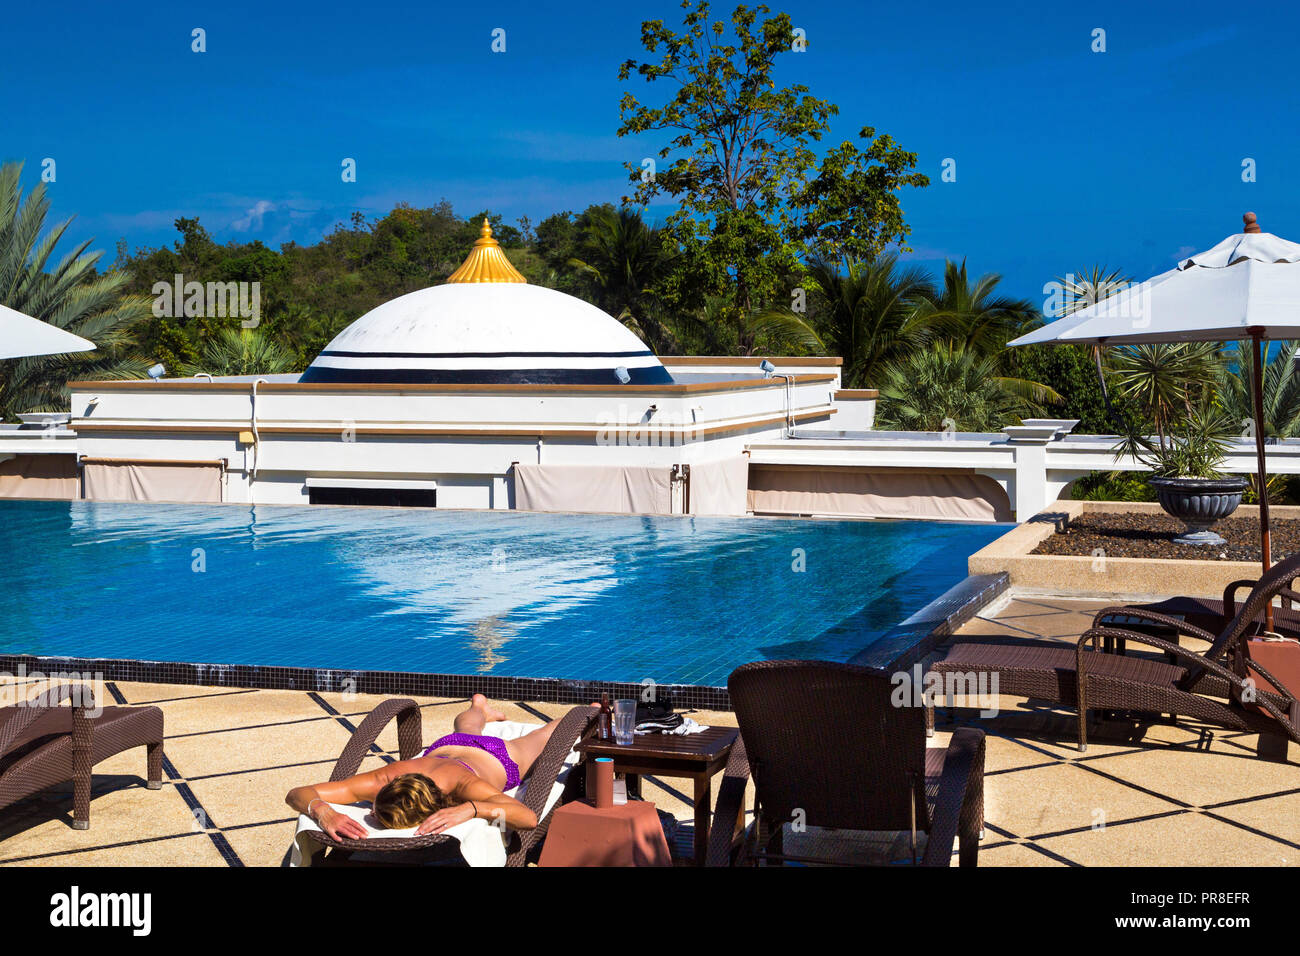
(481,844)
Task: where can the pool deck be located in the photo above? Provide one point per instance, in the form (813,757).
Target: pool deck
(1160,795)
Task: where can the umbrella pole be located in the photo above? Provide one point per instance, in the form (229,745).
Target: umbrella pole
(1266,551)
(1265,543)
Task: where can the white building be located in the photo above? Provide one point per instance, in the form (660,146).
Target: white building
(485,392)
(488,392)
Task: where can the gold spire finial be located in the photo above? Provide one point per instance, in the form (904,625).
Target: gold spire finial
(487,262)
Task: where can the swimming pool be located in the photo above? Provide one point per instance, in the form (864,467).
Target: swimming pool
(674,600)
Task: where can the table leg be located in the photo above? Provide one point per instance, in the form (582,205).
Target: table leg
(703,805)
(633,781)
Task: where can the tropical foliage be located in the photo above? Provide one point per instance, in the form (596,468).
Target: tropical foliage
(946,387)
(972,314)
(65,291)
(754,198)
(623,260)
(1235,382)
(234,351)
(1168,382)
(1195,448)
(865,313)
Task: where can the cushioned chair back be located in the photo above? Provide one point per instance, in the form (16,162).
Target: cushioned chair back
(827,744)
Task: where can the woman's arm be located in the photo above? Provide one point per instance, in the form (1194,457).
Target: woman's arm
(315,800)
(482,800)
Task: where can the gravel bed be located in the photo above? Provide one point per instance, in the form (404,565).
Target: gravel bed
(1136,535)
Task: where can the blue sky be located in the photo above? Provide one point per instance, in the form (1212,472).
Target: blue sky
(1064,157)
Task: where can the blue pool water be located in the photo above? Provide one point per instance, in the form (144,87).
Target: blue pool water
(675,600)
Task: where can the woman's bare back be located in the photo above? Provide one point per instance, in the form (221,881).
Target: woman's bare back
(460,764)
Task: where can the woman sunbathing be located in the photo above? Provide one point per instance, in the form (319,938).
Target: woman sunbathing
(460,777)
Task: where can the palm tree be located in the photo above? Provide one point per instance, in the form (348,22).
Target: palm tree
(69,294)
(972,315)
(946,387)
(974,319)
(865,313)
(624,258)
(1088,288)
(1165,380)
(242,352)
(1236,384)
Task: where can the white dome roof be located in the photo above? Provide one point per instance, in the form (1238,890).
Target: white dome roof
(488,332)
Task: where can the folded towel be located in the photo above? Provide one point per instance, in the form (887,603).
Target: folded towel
(481,843)
(666,724)
(678,726)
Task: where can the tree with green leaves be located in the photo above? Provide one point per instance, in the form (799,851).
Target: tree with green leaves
(1235,388)
(1069,370)
(1165,381)
(236,351)
(865,312)
(1080,291)
(623,259)
(1236,384)
(754,198)
(946,387)
(68,293)
(972,314)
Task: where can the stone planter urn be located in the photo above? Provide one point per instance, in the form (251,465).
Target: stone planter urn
(1198,503)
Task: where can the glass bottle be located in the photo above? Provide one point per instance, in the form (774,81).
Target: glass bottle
(605,720)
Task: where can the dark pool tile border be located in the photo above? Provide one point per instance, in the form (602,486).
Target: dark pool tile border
(550,690)
(908,642)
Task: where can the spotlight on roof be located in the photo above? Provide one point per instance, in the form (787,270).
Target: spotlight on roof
(156,372)
(621,374)
(767,367)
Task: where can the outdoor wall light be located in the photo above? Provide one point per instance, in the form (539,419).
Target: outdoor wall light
(767,367)
(621,374)
(155,372)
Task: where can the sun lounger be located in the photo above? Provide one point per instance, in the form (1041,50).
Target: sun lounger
(1211,615)
(1204,686)
(480,843)
(43,744)
(828,750)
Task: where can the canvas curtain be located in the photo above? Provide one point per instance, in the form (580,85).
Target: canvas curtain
(594,488)
(115,480)
(877,494)
(720,487)
(40,476)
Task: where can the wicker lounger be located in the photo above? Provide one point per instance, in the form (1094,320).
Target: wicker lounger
(43,744)
(1198,685)
(1210,615)
(540,779)
(825,741)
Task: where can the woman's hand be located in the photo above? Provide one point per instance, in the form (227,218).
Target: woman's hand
(445,819)
(339,825)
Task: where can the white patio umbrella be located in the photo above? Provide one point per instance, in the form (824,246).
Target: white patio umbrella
(21,336)
(1246,287)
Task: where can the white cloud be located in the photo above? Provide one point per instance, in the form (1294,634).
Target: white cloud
(253,218)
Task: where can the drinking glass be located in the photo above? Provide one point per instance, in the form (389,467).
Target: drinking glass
(624,721)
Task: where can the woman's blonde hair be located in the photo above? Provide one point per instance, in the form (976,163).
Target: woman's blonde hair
(407,801)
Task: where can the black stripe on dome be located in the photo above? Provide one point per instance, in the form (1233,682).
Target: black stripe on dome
(502,355)
(321,374)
